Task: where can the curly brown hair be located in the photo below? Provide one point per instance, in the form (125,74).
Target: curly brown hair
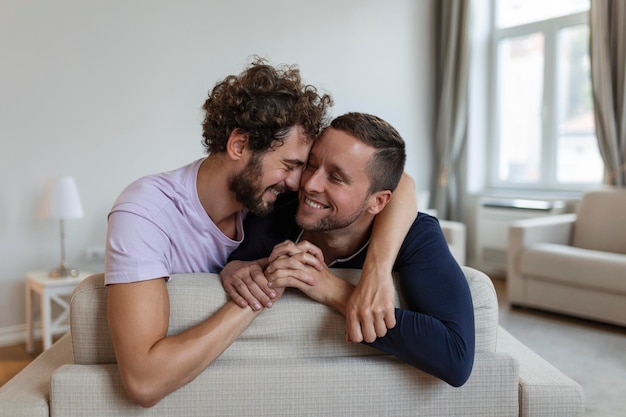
(264,102)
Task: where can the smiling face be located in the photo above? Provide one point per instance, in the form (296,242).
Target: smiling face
(267,175)
(334,192)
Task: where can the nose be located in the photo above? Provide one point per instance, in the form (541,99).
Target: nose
(313,180)
(292,181)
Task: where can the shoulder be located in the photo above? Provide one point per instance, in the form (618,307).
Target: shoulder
(424,225)
(424,238)
(151,193)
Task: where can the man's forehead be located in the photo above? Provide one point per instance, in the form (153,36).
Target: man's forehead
(334,139)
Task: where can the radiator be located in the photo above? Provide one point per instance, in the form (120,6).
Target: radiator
(492,227)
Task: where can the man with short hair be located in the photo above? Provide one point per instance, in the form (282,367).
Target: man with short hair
(352,170)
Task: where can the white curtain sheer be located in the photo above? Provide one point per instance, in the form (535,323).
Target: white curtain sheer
(451,72)
(607,27)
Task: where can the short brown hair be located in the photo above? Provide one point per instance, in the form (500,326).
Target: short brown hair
(387,164)
(264,102)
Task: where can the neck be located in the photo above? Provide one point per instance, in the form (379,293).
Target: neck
(213,178)
(340,243)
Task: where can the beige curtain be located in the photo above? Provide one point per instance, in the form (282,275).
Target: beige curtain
(607,49)
(451,73)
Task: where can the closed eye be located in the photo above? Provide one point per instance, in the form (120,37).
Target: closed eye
(292,166)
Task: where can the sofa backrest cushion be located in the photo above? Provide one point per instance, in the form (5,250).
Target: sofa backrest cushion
(601,221)
(295,327)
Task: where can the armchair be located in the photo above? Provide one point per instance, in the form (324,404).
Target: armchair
(575,263)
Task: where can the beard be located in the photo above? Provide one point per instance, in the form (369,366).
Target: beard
(246,185)
(330,222)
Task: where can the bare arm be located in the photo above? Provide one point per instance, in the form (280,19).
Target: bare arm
(152,365)
(370,309)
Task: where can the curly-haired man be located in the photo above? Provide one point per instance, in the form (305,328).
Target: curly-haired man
(258,131)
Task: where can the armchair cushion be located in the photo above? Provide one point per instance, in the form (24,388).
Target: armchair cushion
(583,267)
(601,219)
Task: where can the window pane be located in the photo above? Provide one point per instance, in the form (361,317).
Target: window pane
(578,157)
(517,12)
(520,86)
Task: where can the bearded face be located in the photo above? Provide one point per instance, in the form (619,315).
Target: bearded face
(249,190)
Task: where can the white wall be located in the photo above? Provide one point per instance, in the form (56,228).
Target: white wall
(111,90)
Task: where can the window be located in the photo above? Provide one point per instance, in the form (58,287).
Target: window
(542,121)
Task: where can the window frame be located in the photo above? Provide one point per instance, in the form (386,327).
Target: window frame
(549,124)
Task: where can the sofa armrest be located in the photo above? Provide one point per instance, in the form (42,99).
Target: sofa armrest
(547,229)
(27,394)
(522,233)
(455,236)
(543,389)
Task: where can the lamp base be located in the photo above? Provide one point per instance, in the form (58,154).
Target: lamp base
(63,271)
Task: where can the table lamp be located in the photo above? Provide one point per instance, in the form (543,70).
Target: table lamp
(61,201)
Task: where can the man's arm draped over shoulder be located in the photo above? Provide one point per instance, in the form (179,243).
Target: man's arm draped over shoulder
(370,309)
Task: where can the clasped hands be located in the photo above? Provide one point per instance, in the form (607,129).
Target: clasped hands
(369,310)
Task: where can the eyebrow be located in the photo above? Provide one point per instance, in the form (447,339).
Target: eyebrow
(295,162)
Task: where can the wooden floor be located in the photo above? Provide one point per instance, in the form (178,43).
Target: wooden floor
(15,358)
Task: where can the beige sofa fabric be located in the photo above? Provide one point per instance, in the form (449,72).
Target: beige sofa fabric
(295,327)
(27,394)
(601,221)
(580,267)
(301,367)
(355,386)
(543,389)
(575,263)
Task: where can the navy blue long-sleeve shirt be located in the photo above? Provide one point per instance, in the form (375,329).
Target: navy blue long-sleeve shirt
(435,333)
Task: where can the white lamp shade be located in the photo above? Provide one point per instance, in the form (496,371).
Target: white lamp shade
(61,200)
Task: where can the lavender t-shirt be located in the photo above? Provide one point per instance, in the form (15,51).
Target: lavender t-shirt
(158,227)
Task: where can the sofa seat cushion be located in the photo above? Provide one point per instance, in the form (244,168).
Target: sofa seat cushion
(602,271)
(295,327)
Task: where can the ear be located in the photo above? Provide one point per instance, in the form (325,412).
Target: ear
(378,201)
(237,144)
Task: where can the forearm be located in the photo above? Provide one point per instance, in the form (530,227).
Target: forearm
(390,228)
(338,298)
(174,361)
(435,329)
(444,351)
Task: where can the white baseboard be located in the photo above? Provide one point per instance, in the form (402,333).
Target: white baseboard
(16,335)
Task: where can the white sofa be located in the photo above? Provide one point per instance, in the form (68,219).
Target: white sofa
(573,263)
(292,361)
(455,233)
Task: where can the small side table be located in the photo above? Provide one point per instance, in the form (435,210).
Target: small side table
(50,290)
